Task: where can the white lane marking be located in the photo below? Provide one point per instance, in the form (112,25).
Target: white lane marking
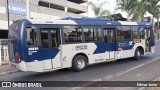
(109,77)
(128,70)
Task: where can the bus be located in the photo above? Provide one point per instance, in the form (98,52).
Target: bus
(41,45)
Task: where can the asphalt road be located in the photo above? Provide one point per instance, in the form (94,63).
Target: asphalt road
(146,69)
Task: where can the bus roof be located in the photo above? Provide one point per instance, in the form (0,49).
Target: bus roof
(86,21)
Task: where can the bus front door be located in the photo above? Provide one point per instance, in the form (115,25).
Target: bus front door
(109,34)
(147,40)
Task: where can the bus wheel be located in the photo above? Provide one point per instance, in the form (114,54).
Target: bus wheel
(79,63)
(137,55)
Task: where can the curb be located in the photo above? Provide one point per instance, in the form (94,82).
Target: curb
(9,72)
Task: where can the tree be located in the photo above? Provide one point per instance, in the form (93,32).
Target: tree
(127,5)
(155,11)
(140,10)
(142,7)
(98,10)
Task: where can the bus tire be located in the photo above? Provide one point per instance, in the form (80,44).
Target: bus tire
(137,54)
(79,63)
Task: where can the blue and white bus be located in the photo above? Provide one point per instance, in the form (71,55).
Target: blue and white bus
(42,45)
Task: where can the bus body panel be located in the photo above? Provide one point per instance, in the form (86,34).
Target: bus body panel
(38,59)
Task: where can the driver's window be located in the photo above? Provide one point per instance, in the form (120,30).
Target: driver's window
(31,36)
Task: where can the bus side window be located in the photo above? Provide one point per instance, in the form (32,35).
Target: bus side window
(72,34)
(142,33)
(44,39)
(98,35)
(54,38)
(88,34)
(111,38)
(135,32)
(31,36)
(120,33)
(105,36)
(123,32)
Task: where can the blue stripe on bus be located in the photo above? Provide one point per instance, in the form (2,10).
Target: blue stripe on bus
(50,53)
(102,47)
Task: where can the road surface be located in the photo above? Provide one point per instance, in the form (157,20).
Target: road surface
(146,69)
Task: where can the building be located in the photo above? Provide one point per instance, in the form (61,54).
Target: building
(51,9)
(39,9)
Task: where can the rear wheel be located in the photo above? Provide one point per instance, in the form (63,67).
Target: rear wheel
(79,63)
(138,54)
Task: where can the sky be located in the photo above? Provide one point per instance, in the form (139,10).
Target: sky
(111,6)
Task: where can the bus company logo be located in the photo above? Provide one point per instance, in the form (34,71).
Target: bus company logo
(6,84)
(82,47)
(49,21)
(131,43)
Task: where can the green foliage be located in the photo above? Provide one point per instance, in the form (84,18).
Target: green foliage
(138,8)
(98,10)
(127,6)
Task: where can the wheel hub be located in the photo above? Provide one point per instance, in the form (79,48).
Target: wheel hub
(80,63)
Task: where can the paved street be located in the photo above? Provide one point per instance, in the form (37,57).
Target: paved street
(146,69)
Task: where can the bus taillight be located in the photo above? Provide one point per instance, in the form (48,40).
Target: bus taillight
(19,57)
(34,60)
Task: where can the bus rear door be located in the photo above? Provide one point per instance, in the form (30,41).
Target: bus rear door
(109,34)
(50,39)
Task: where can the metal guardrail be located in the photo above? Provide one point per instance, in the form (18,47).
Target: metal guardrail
(4,57)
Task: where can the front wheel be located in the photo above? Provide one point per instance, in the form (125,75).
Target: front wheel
(79,63)
(137,55)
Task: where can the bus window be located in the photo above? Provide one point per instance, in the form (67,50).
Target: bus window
(93,34)
(135,32)
(123,32)
(141,33)
(88,34)
(54,38)
(44,38)
(72,34)
(31,36)
(98,35)
(105,36)
(109,36)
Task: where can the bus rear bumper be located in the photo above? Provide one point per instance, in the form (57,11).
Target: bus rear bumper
(19,66)
(28,66)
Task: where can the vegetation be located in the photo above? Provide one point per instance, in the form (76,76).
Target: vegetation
(127,5)
(155,11)
(98,10)
(134,8)
(138,8)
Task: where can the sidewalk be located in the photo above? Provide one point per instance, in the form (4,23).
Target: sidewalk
(6,68)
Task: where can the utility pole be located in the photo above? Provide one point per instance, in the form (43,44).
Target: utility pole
(28,11)
(8,13)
